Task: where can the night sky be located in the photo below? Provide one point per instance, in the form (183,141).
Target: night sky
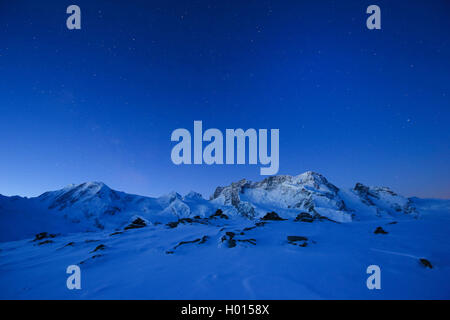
(100,103)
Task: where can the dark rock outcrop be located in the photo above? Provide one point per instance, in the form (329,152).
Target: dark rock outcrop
(136,224)
(298,240)
(98,248)
(304,217)
(199,241)
(273,216)
(426,263)
(45,242)
(43,235)
(229,240)
(380,230)
(186,242)
(219,214)
(173,224)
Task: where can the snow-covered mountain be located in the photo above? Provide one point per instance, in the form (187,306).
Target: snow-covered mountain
(94,206)
(285,237)
(89,207)
(313,193)
(108,208)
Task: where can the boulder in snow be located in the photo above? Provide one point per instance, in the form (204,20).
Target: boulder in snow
(272,216)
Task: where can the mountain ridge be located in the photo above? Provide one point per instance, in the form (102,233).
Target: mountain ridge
(95,206)
(281,237)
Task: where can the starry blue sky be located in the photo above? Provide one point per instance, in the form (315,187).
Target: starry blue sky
(100,103)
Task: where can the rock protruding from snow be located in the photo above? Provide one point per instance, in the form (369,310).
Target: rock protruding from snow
(272,216)
(218,214)
(426,263)
(304,217)
(136,224)
(380,230)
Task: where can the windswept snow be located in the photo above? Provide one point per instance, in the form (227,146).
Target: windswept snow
(187,247)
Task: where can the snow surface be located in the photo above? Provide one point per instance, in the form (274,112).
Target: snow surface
(194,259)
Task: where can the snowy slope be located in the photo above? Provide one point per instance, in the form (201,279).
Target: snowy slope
(158,262)
(22,218)
(316,242)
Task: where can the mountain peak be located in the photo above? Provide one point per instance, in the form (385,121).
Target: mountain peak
(73,193)
(97,185)
(193,195)
(311,176)
(93,184)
